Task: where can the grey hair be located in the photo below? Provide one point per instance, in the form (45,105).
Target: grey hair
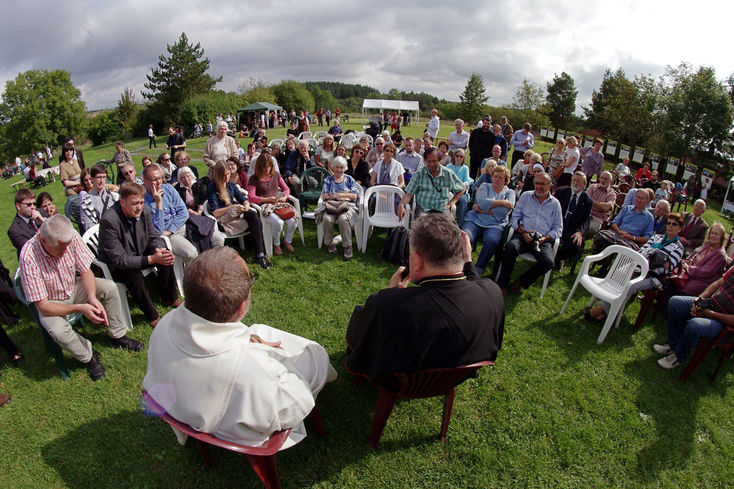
(339,161)
(57,229)
(703,202)
(664,203)
(185,170)
(222,124)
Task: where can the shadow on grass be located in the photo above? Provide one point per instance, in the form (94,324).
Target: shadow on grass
(673,408)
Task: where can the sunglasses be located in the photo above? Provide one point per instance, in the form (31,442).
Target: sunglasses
(672,223)
(29,204)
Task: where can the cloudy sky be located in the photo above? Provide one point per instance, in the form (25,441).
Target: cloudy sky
(430,46)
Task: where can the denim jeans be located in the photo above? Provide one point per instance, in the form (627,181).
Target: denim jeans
(684,330)
(490,239)
(461,206)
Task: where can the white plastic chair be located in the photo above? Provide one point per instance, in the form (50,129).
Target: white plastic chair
(357,224)
(276,142)
(312,142)
(531,258)
(239,236)
(320,134)
(304,135)
(268,231)
(385,215)
(349,140)
(612,288)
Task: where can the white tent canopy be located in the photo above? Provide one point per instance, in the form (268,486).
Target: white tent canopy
(383,104)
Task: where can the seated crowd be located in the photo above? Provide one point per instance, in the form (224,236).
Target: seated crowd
(270,379)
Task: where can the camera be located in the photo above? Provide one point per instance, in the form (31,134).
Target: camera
(703,303)
(535,244)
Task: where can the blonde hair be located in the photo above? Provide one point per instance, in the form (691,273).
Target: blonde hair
(505,171)
(221,177)
(721,227)
(489,167)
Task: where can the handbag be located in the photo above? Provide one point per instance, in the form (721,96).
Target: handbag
(285,212)
(232,222)
(559,172)
(679,280)
(336,206)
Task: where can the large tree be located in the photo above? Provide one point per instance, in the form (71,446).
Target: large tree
(529,102)
(698,108)
(624,109)
(473,99)
(561,98)
(39,107)
(179,75)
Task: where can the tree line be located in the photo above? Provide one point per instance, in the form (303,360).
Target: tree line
(685,113)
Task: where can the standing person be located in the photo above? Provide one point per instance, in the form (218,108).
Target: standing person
(458,139)
(151,137)
(570,164)
(176,141)
(328,116)
(593,160)
(481,141)
(49,264)
(121,158)
(434,125)
(507,131)
(69,171)
(76,153)
(221,147)
(522,141)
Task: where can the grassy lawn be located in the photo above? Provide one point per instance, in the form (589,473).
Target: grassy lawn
(558,410)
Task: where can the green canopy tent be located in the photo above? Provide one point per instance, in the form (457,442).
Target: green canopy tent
(256,107)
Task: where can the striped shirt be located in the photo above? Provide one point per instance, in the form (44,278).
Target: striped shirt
(46,277)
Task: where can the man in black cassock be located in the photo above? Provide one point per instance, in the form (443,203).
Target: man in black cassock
(453,317)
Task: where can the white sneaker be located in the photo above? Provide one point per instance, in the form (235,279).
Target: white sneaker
(661,349)
(669,362)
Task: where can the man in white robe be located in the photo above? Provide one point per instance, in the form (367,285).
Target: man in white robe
(239,383)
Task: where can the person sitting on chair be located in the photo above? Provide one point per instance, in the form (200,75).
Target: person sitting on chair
(537,221)
(406,329)
(257,379)
(27,219)
(49,263)
(694,227)
(576,206)
(297,163)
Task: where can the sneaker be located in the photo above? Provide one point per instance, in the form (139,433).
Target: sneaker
(127,343)
(348,254)
(332,248)
(669,362)
(94,368)
(662,349)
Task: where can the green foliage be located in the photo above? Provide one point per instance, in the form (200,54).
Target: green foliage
(253,90)
(562,99)
(450,111)
(205,106)
(39,107)
(293,95)
(125,112)
(473,98)
(342,90)
(698,108)
(178,76)
(528,103)
(623,109)
(104,128)
(323,99)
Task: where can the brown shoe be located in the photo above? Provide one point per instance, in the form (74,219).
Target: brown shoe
(289,247)
(174,304)
(277,250)
(4,398)
(154,322)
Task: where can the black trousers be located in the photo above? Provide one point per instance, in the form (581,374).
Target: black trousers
(256,229)
(514,247)
(8,344)
(516,155)
(135,283)
(568,248)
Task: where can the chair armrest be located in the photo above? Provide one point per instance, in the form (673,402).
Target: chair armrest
(105,269)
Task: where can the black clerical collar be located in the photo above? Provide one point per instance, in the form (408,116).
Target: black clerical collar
(437,279)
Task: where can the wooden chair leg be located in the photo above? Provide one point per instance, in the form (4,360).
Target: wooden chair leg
(647,302)
(318,424)
(448,406)
(383,408)
(204,449)
(724,354)
(265,468)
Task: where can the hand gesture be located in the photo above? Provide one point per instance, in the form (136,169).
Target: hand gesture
(163,257)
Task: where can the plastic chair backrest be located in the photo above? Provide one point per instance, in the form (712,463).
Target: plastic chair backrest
(316,172)
(73,210)
(630,179)
(320,134)
(624,187)
(304,135)
(276,142)
(619,202)
(625,264)
(384,202)
(91,238)
(435,382)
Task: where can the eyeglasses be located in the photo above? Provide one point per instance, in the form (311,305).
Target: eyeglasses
(389,151)
(166,159)
(29,204)
(459,156)
(159,179)
(380,144)
(359,151)
(672,223)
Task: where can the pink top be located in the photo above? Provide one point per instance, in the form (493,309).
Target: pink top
(257,190)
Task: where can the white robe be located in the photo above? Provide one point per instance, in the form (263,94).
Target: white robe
(210,376)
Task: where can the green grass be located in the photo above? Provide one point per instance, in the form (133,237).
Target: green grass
(558,410)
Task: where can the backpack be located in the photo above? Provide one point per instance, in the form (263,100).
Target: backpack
(396,249)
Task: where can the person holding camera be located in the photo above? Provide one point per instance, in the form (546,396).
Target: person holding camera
(693,318)
(537,221)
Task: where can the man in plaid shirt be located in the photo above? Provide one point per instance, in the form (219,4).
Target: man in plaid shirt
(49,263)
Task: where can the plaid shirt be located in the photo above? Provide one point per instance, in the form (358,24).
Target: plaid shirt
(433,194)
(723,298)
(46,277)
